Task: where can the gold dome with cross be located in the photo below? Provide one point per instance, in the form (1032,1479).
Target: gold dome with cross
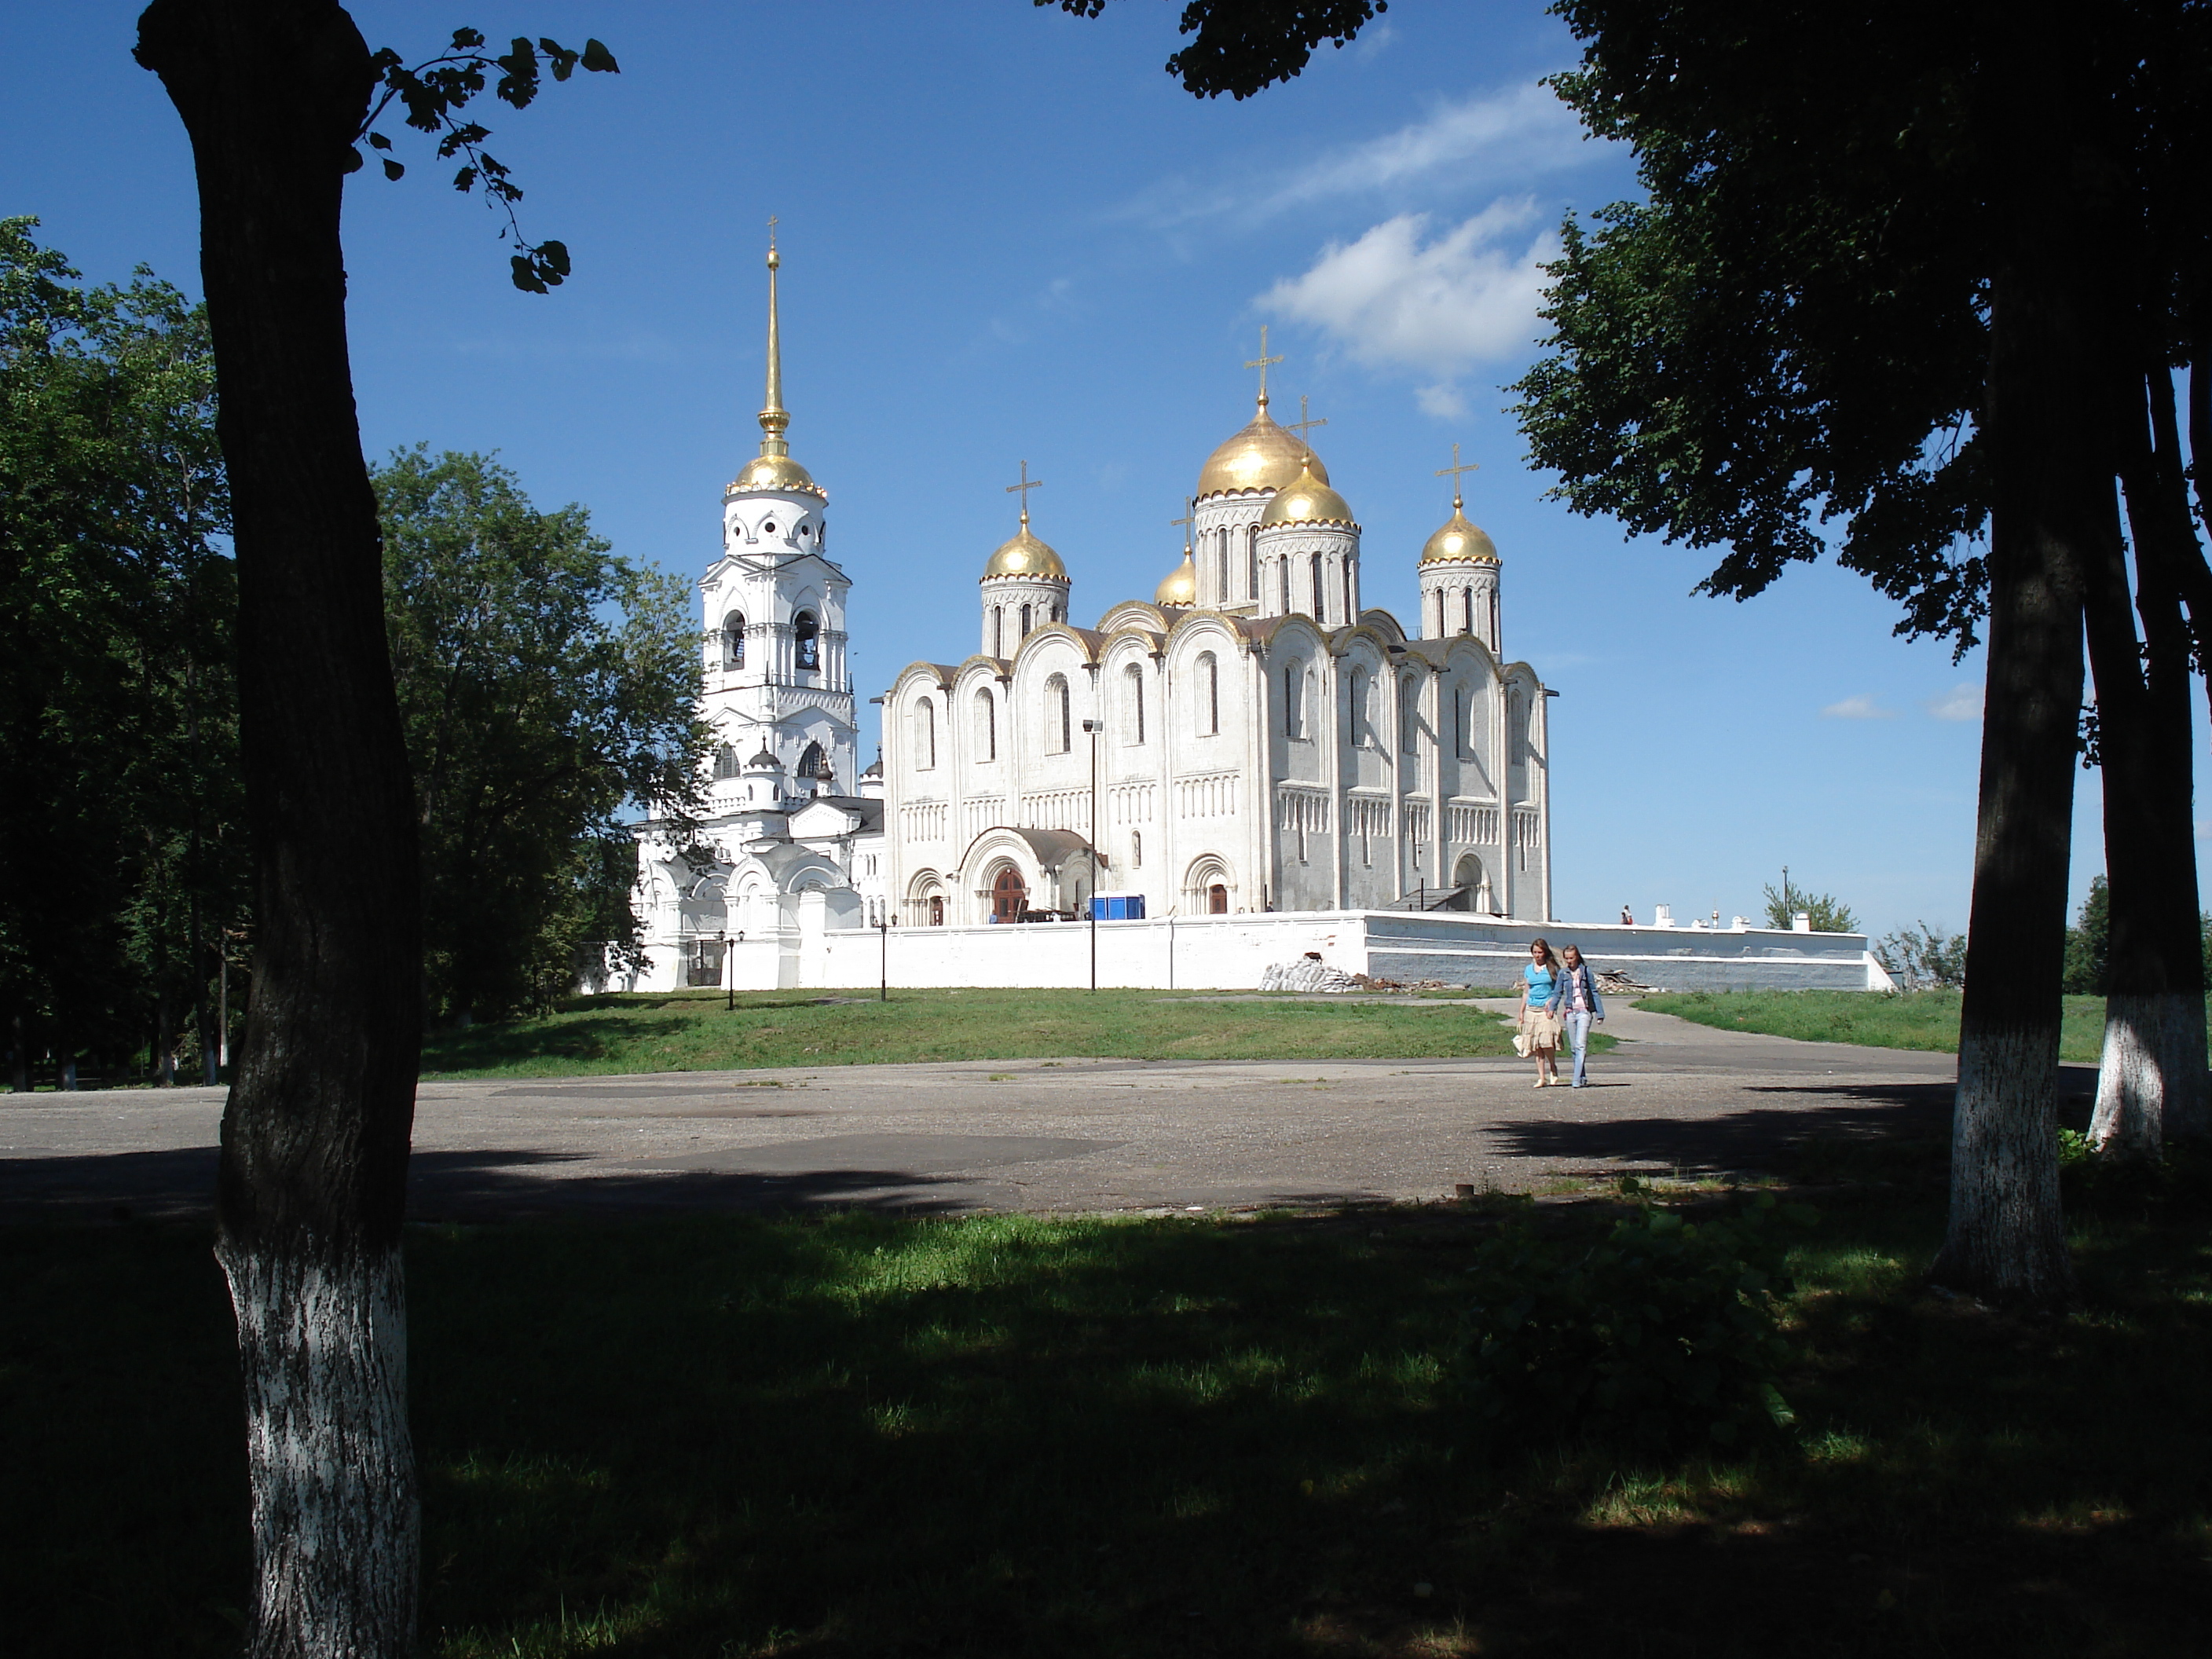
(1263,456)
(1458,541)
(1022,554)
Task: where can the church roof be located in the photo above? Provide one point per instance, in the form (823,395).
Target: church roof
(1180,588)
(1307,500)
(764,761)
(1459,542)
(1263,456)
(1024,554)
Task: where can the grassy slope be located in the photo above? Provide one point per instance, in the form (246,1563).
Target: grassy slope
(688,1032)
(865,1435)
(1918,1019)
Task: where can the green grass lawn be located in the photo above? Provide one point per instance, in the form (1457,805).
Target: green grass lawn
(865,1435)
(693,1031)
(1915,1019)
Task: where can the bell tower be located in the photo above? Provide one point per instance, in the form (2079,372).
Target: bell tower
(777,679)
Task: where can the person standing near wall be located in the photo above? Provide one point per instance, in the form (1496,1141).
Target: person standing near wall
(1540,1026)
(1575,999)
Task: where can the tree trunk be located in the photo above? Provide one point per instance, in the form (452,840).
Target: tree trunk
(314,1136)
(2154,1078)
(2005,1238)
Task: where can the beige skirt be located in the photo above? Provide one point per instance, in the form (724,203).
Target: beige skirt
(1542,1031)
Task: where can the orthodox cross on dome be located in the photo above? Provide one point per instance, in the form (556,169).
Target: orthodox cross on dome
(1027,484)
(1260,363)
(1190,517)
(1455,469)
(1306,422)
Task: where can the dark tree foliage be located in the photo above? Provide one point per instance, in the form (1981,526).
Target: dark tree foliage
(545,684)
(434,92)
(122,857)
(1245,46)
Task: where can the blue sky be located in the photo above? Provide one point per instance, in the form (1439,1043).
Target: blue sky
(1008,235)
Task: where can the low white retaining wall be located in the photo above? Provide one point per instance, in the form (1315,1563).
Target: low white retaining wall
(1230,952)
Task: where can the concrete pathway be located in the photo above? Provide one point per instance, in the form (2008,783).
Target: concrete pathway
(1074,1135)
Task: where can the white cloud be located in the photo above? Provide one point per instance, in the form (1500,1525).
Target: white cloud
(1961,703)
(2205,828)
(1861,707)
(1469,296)
(1486,138)
(1441,401)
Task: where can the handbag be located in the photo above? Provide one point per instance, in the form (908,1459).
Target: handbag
(1521,1044)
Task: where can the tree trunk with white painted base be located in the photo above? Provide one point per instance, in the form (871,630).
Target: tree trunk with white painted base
(2153,1042)
(2048,463)
(323,1348)
(313,1169)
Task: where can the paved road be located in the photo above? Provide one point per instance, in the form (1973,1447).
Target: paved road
(1041,1135)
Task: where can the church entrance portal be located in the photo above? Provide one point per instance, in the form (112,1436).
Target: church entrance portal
(1009,897)
(1217,900)
(936,909)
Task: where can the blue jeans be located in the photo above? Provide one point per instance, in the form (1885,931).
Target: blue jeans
(1579,1034)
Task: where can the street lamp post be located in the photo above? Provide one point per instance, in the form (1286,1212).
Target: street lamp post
(1091,726)
(884,929)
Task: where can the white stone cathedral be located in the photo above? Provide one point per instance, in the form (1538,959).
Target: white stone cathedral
(1250,740)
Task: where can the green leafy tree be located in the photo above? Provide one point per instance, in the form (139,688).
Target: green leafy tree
(120,850)
(2088,942)
(1828,913)
(544,685)
(1923,959)
(1858,307)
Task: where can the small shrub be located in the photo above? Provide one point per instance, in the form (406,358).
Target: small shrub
(1664,1334)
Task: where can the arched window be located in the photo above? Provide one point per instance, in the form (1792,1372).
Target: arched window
(1136,849)
(1440,614)
(725,762)
(936,909)
(925,735)
(1252,561)
(1494,636)
(1467,610)
(1459,721)
(808,633)
(1060,726)
(1320,597)
(1409,713)
(1221,568)
(1209,695)
(813,764)
(987,727)
(733,641)
(1294,701)
(1025,622)
(1356,708)
(1133,704)
(1351,595)
(998,630)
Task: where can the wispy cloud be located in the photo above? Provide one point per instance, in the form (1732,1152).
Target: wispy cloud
(1861,707)
(1961,703)
(1470,295)
(1490,139)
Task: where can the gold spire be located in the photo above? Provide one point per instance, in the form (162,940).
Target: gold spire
(775,419)
(773,468)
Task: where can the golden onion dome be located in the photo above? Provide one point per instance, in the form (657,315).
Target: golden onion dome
(1181,587)
(1263,456)
(1459,541)
(775,472)
(1025,556)
(1307,500)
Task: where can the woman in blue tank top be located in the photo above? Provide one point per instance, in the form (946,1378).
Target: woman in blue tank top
(1538,979)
